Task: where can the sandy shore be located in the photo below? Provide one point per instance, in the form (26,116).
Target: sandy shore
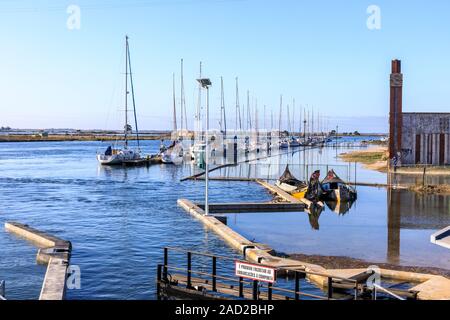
(330,262)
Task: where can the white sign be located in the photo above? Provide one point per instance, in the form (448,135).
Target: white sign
(255,272)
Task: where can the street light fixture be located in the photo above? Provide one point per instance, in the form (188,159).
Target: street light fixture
(206,83)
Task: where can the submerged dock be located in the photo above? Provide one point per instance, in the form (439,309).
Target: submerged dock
(54,252)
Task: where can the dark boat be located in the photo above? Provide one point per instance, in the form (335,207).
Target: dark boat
(335,189)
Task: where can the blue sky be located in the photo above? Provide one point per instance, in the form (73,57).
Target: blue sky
(319,52)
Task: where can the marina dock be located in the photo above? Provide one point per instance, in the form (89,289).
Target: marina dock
(442,238)
(426,286)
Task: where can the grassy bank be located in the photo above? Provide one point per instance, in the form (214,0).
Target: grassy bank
(373,158)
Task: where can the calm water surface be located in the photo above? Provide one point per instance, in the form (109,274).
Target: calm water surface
(120,219)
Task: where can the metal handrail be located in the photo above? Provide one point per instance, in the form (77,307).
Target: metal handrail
(210,255)
(376,286)
(162,274)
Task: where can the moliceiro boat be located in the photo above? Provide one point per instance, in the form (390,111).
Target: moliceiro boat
(335,189)
(287,182)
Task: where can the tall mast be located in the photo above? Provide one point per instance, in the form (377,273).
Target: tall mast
(126,92)
(132,95)
(183,100)
(289,119)
(223,116)
(293,116)
(238,108)
(175,127)
(304,124)
(199,105)
(265,126)
(249,112)
(271,119)
(281,112)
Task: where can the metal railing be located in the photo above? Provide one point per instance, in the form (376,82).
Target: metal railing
(2,290)
(377,287)
(239,288)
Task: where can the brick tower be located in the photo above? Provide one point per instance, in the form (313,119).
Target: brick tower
(395,114)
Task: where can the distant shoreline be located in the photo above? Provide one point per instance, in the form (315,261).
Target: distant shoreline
(15,136)
(77,137)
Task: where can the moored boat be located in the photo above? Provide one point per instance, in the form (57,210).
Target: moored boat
(116,155)
(335,189)
(287,182)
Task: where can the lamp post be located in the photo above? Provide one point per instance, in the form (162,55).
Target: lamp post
(206,83)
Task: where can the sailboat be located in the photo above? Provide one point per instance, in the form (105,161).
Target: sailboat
(116,155)
(174,154)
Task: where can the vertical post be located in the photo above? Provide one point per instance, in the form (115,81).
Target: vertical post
(396,112)
(330,288)
(214,274)
(207,153)
(241,287)
(189,266)
(269,292)
(297,286)
(255,290)
(158,284)
(166,263)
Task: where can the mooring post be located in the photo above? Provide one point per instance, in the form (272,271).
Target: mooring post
(330,288)
(158,284)
(269,291)
(297,286)
(214,274)
(241,287)
(189,266)
(255,290)
(166,262)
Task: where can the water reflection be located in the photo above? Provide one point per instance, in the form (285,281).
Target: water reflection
(340,207)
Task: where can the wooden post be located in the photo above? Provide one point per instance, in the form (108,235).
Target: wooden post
(158,284)
(189,266)
(255,290)
(166,262)
(330,288)
(241,287)
(297,286)
(214,273)
(269,292)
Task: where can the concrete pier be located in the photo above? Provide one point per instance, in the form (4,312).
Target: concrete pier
(54,252)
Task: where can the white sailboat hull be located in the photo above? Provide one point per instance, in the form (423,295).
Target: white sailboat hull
(118,157)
